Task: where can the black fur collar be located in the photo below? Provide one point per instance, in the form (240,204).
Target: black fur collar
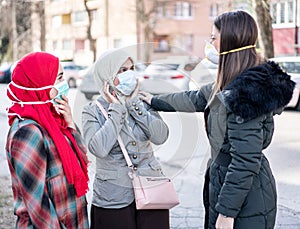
(258,90)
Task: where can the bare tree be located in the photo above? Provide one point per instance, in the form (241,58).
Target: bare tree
(40,9)
(264,20)
(146,16)
(92,40)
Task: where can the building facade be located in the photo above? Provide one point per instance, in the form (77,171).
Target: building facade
(173,27)
(285,16)
(176,27)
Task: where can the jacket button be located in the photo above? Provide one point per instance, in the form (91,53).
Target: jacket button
(136,108)
(134,168)
(124,112)
(140,113)
(123,116)
(134,156)
(122,121)
(134,104)
(133,143)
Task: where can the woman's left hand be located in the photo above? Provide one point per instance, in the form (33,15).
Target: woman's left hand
(224,222)
(63,108)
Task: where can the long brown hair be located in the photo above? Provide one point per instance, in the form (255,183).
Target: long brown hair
(237,29)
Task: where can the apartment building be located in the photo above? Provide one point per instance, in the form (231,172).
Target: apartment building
(175,27)
(67,23)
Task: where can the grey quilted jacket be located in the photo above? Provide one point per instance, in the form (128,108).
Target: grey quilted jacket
(139,126)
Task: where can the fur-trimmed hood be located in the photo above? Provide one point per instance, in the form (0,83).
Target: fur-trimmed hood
(258,90)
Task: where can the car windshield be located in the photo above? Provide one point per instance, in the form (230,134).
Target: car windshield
(162,67)
(290,67)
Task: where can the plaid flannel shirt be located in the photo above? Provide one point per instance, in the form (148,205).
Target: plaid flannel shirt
(42,196)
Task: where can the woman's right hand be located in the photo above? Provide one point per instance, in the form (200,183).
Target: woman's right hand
(110,98)
(145,96)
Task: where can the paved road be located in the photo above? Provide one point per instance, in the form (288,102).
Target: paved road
(184,156)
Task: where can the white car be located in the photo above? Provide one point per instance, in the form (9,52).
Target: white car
(205,72)
(72,73)
(291,64)
(167,75)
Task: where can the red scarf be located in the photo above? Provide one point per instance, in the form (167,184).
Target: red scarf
(36,70)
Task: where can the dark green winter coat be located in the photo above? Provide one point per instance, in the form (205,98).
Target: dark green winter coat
(239,125)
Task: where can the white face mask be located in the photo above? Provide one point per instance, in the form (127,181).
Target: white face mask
(211,53)
(127,83)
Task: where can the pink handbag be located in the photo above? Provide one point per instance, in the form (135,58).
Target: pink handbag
(154,192)
(150,192)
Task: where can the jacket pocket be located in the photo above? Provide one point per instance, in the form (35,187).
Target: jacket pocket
(110,187)
(105,175)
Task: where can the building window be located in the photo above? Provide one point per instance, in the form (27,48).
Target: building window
(79,44)
(55,45)
(117,43)
(161,43)
(80,17)
(214,10)
(283,12)
(67,45)
(66,19)
(290,8)
(183,10)
(56,21)
(163,10)
(274,13)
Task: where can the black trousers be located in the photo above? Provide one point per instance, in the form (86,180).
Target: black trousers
(206,197)
(129,218)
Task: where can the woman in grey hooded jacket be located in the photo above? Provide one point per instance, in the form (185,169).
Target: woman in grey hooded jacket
(138,125)
(239,190)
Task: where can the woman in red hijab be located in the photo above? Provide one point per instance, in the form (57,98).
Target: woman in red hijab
(45,153)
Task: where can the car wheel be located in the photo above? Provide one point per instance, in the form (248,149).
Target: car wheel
(88,96)
(72,83)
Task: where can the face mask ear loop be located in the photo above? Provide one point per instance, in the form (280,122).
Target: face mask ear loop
(23,103)
(14,96)
(31,89)
(15,114)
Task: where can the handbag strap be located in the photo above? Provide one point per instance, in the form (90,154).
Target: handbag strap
(121,143)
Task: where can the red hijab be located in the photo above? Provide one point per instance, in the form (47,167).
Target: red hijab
(36,70)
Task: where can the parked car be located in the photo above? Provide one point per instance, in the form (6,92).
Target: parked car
(5,72)
(72,73)
(168,75)
(291,64)
(205,72)
(88,85)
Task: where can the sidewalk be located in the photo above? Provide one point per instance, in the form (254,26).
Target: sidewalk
(188,181)
(188,215)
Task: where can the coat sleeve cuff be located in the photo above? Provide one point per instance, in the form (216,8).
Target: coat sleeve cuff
(226,212)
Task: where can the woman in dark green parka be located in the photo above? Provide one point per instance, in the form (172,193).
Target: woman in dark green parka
(239,190)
